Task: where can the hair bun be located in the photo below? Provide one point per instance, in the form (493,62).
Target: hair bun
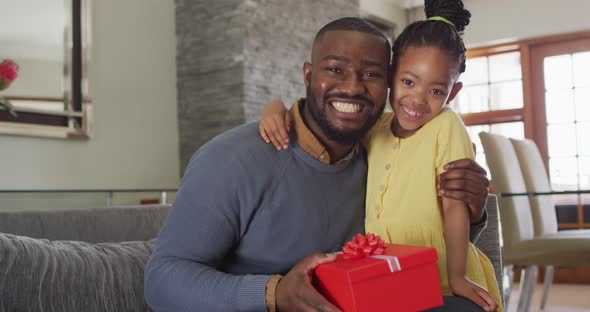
(452,10)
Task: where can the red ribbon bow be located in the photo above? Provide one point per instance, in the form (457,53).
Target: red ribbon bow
(363,246)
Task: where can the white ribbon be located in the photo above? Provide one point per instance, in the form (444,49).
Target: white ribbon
(392,261)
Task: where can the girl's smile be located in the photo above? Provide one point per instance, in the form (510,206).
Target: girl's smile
(424,82)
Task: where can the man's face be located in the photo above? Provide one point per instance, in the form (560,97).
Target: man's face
(346,84)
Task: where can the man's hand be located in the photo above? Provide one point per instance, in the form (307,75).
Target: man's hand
(465,180)
(296,293)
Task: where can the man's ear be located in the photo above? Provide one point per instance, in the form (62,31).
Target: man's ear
(454,90)
(307,74)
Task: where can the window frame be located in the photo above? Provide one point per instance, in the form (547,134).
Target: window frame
(537,54)
(495,116)
(533,116)
(532,53)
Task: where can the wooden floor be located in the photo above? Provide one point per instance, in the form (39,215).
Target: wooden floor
(562,298)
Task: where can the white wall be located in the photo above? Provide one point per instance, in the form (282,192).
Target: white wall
(133,86)
(508,20)
(500,21)
(385,9)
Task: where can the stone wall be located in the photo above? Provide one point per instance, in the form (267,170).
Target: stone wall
(233,56)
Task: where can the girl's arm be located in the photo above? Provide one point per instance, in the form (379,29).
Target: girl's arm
(274,124)
(456,230)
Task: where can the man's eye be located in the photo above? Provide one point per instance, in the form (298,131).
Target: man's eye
(334,69)
(371,75)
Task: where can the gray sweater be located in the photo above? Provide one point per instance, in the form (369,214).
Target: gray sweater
(245,212)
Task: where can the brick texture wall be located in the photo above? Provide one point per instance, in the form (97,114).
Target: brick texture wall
(233,56)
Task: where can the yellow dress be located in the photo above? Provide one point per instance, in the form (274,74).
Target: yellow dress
(402,205)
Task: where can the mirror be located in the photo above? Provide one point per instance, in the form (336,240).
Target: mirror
(49,41)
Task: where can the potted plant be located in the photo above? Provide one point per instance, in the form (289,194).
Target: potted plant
(8,73)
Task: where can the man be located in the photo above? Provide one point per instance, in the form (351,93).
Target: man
(246,213)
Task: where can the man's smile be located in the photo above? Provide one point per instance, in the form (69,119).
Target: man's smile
(345,107)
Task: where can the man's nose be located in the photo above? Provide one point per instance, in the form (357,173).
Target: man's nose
(352,85)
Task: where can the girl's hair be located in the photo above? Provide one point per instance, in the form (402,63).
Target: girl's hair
(437,33)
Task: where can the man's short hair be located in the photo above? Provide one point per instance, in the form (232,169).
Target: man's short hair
(350,24)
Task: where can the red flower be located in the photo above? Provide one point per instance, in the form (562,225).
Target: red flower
(8,70)
(363,246)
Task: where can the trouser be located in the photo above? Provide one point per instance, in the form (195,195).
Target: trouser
(457,304)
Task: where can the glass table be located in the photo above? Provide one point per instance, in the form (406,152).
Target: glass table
(572,207)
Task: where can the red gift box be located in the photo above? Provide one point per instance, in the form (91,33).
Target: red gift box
(403,278)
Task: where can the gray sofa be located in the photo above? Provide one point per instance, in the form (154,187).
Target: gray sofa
(93,259)
(76,259)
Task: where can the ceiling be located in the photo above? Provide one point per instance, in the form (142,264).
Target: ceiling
(408,3)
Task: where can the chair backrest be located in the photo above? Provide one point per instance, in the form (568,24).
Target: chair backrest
(515,211)
(489,239)
(536,180)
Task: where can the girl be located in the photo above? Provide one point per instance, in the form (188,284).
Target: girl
(408,148)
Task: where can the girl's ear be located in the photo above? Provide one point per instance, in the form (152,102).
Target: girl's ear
(454,90)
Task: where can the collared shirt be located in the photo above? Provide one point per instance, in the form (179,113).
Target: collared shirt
(308,141)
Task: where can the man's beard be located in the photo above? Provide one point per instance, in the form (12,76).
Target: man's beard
(338,134)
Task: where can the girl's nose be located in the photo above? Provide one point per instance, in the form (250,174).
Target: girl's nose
(417,98)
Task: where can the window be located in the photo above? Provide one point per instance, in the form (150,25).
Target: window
(560,91)
(538,89)
(567,96)
(492,97)
(491,83)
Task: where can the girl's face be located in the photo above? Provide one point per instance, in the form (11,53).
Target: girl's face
(423,83)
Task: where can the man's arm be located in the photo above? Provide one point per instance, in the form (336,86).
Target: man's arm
(466,180)
(200,231)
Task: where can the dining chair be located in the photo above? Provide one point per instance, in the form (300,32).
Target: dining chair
(542,206)
(520,245)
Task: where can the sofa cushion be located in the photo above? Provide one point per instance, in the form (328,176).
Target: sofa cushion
(44,275)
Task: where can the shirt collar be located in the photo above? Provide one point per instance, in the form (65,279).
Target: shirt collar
(307,140)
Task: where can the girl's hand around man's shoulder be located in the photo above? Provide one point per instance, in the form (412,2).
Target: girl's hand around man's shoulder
(274,124)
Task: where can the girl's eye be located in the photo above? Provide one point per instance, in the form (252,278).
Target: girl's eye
(437,92)
(407,82)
